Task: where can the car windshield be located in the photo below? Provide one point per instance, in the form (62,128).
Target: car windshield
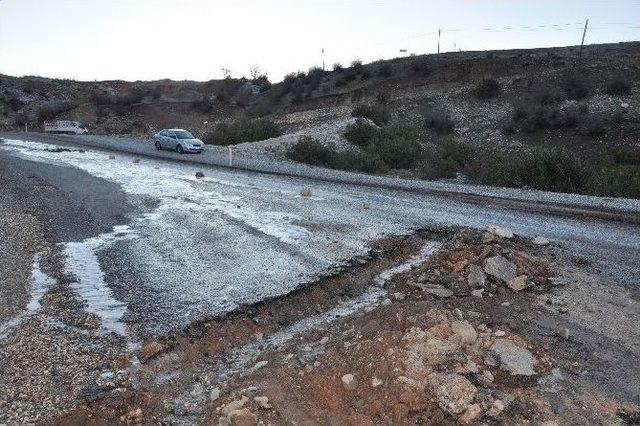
(183,134)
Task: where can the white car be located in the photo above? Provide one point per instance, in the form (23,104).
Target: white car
(178,140)
(66,127)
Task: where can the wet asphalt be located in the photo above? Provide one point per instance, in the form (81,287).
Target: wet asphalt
(208,245)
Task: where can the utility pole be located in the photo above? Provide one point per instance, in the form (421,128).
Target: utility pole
(323,59)
(439,41)
(584,33)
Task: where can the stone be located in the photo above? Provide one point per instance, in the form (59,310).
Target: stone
(112,157)
(149,350)
(133,416)
(476,277)
(471,367)
(349,381)
(473,412)
(305,191)
(258,365)
(464,332)
(518,283)
(477,293)
(496,408)
(437,290)
(488,375)
(563,332)
(136,161)
(513,358)
(375,382)
(234,405)
(386,302)
(214,394)
(499,333)
(199,174)
(500,268)
(499,231)
(243,417)
(398,296)
(263,402)
(453,392)
(540,241)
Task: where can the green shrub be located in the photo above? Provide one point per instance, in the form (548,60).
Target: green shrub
(487,89)
(545,168)
(421,67)
(445,159)
(310,151)
(397,146)
(626,157)
(377,113)
(53,109)
(362,161)
(618,87)
(440,122)
(337,67)
(360,133)
(244,130)
(615,181)
(576,87)
(384,70)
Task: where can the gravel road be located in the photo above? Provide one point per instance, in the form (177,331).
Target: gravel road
(237,237)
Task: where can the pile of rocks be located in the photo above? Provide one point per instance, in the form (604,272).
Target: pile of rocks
(471,264)
(456,363)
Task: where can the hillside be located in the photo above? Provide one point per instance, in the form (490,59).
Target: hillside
(460,112)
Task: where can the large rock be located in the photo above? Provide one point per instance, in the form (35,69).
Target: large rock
(476,278)
(453,392)
(518,283)
(464,332)
(500,268)
(513,358)
(499,232)
(243,417)
(149,350)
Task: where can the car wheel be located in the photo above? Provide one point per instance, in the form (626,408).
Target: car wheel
(158,147)
(179,149)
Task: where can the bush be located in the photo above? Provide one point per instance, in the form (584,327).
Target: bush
(421,67)
(337,67)
(576,87)
(445,159)
(384,70)
(397,146)
(440,122)
(310,151)
(204,105)
(487,89)
(615,181)
(357,66)
(618,87)
(377,113)
(626,157)
(360,133)
(544,168)
(53,109)
(245,130)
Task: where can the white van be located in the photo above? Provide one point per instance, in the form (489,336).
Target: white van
(66,127)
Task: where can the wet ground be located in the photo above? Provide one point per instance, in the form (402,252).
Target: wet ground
(233,238)
(142,247)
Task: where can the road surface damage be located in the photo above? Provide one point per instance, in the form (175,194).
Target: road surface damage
(486,328)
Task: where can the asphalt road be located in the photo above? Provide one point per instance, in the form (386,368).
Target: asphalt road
(237,237)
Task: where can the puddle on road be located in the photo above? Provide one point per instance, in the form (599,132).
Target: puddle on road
(40,284)
(83,265)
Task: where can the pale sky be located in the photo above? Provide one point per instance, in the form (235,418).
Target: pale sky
(194,39)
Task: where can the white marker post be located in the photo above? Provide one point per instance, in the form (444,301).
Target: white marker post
(232,153)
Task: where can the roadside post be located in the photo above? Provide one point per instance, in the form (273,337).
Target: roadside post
(232,153)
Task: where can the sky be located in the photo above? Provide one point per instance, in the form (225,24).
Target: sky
(196,39)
